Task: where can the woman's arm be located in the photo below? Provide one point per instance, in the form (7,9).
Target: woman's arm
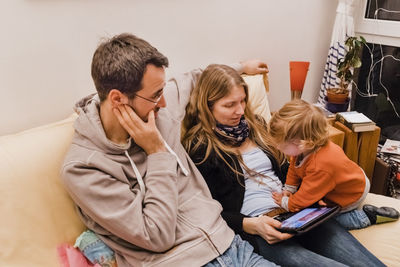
(178,89)
(223,187)
(235,220)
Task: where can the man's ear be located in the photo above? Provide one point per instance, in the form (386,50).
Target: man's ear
(117,98)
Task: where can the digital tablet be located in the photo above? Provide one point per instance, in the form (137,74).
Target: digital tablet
(306,219)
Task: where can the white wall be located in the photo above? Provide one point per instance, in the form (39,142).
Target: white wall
(47,45)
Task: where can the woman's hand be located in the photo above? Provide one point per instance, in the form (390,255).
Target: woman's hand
(265,227)
(254,66)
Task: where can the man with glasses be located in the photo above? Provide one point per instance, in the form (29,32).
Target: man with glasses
(155,101)
(131,179)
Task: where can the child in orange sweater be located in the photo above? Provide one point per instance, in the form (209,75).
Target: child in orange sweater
(319,169)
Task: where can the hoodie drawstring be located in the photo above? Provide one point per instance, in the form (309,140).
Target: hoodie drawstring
(137,173)
(139,177)
(184,170)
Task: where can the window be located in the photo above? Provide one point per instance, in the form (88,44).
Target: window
(382,10)
(379,21)
(377,93)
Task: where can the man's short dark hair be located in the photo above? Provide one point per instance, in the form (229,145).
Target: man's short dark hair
(120,62)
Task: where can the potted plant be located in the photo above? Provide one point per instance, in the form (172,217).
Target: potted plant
(345,71)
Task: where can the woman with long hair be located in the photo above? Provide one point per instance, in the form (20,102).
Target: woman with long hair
(234,152)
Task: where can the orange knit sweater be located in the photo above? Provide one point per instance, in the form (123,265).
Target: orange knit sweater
(325,174)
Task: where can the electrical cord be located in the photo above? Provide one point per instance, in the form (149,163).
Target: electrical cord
(369,87)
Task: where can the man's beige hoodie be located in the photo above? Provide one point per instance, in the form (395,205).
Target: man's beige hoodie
(165,218)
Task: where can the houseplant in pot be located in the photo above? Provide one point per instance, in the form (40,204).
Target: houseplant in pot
(338,98)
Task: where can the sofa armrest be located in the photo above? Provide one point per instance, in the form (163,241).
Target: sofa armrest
(38,214)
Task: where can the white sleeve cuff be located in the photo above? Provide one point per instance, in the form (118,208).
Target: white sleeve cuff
(291,188)
(285,203)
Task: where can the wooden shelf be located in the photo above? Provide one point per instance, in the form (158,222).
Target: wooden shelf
(361,147)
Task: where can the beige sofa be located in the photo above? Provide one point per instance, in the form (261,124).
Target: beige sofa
(38,215)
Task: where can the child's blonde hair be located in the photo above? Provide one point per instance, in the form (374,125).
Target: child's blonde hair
(299,120)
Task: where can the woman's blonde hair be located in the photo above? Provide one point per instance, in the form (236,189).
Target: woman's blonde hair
(299,120)
(198,125)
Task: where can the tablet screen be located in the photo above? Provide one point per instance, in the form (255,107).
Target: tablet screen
(303,217)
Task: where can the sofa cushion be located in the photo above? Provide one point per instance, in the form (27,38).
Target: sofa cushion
(38,214)
(258,97)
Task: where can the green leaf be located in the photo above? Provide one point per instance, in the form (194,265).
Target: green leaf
(357,63)
(351,60)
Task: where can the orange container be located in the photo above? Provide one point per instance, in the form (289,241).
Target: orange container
(298,74)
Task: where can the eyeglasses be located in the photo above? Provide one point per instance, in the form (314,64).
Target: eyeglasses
(155,102)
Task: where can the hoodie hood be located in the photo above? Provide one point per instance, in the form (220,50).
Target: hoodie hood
(89,131)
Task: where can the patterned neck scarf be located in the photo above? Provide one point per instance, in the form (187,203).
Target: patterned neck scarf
(233,135)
